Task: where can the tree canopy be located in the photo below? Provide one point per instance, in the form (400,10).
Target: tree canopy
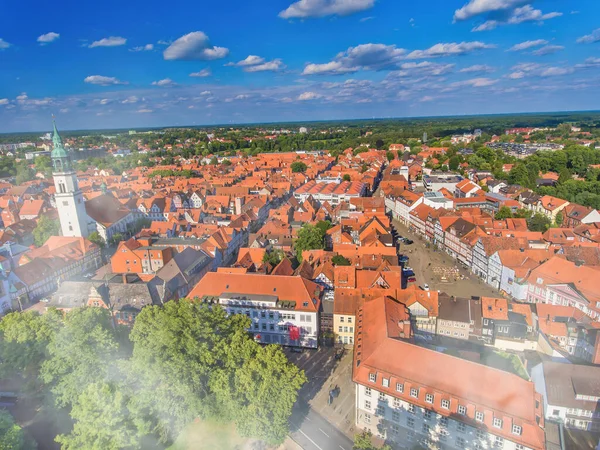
(45,228)
(311,237)
(298,167)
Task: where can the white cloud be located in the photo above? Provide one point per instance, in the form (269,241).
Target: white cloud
(487,25)
(528,14)
(527,45)
(145,110)
(426,98)
(48,37)
(322,8)
(589,63)
(143,48)
(475,82)
(556,71)
(516,75)
(205,93)
(309,96)
(366,19)
(24,100)
(103,81)
(477,68)
(478,7)
(166,82)
(424,68)
(113,41)
(594,36)
(502,12)
(249,61)
(195,45)
(361,57)
(105,101)
(130,99)
(547,50)
(4,44)
(273,66)
(202,73)
(449,49)
(3,101)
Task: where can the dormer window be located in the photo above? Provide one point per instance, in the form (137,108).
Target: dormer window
(372,377)
(517,430)
(497,422)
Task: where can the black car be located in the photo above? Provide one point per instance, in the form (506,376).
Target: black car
(407,242)
(295,350)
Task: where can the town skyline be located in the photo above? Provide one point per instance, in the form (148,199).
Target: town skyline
(310,60)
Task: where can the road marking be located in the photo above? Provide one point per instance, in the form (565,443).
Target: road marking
(323,432)
(307,418)
(307,437)
(342,448)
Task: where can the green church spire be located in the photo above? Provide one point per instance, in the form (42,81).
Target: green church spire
(57,144)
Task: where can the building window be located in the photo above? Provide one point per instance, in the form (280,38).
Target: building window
(414,392)
(349,319)
(342,319)
(497,422)
(499,442)
(395,416)
(380,411)
(481,435)
(429,398)
(446,404)
(368,418)
(427,413)
(410,422)
(367,404)
(462,409)
(368,392)
(479,416)
(517,430)
(400,387)
(411,408)
(426,428)
(461,427)
(397,403)
(443,421)
(385,382)
(340,329)
(372,377)
(381,396)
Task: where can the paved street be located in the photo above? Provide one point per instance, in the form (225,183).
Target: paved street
(315,424)
(425,260)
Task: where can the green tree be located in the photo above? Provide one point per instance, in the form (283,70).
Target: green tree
(192,361)
(214,161)
(298,167)
(454,162)
(346,177)
(45,228)
(310,237)
(97,239)
(564,175)
(24,172)
(24,337)
(11,434)
(339,260)
(558,221)
(538,222)
(79,353)
(504,213)
(115,239)
(363,441)
(273,257)
(390,156)
(102,420)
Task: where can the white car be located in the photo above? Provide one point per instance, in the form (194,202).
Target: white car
(425,287)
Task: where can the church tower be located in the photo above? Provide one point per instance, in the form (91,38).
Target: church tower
(69,199)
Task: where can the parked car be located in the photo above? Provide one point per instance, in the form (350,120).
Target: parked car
(407,242)
(425,287)
(412,280)
(296,350)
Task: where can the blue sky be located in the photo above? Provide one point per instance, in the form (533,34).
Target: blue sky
(146,63)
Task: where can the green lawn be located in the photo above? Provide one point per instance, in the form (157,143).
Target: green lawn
(209,435)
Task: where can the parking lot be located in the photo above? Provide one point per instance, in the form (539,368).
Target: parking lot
(439,270)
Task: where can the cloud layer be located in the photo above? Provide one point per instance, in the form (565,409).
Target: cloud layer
(113,41)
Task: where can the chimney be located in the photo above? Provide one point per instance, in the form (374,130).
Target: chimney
(124,277)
